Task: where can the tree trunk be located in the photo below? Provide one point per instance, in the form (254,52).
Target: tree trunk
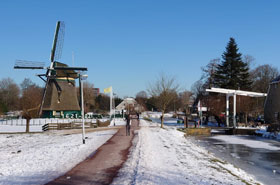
(186,121)
(27,125)
(162,117)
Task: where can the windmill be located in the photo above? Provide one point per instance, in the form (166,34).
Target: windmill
(59,97)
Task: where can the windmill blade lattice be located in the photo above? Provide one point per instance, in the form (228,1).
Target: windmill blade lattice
(59,42)
(24,64)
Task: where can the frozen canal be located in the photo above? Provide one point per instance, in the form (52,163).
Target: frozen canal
(256,155)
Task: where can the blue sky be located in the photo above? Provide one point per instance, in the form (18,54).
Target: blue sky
(128,43)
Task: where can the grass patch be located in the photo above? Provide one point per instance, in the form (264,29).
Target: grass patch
(182,130)
(198,131)
(214,167)
(215,160)
(147,119)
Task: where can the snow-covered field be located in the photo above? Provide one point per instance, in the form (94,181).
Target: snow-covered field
(39,158)
(19,125)
(165,156)
(19,128)
(117,122)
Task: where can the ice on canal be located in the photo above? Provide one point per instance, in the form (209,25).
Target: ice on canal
(243,140)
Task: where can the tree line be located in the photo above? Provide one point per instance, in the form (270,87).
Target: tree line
(28,96)
(234,71)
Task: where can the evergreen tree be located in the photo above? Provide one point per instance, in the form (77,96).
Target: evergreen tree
(232,72)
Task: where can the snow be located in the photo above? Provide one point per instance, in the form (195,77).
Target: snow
(19,128)
(39,158)
(144,123)
(117,122)
(19,125)
(165,156)
(247,142)
(158,114)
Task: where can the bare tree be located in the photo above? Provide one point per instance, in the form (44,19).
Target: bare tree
(30,102)
(198,89)
(164,90)
(142,94)
(89,98)
(26,83)
(208,73)
(261,77)
(142,98)
(102,103)
(185,97)
(9,93)
(249,60)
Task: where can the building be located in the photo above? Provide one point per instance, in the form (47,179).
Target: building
(272,102)
(130,104)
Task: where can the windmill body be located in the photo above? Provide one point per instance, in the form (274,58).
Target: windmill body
(59,98)
(62,103)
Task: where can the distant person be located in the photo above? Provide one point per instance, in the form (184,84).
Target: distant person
(127,117)
(138,116)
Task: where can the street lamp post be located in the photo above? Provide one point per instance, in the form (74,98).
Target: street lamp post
(81,78)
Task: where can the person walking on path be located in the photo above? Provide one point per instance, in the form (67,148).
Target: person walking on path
(138,116)
(127,117)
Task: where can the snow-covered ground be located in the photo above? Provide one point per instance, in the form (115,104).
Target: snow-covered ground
(19,128)
(39,158)
(117,122)
(165,156)
(158,114)
(19,125)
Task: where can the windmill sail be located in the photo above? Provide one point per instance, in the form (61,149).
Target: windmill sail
(24,64)
(53,54)
(58,41)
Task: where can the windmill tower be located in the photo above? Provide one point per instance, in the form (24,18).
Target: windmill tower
(59,97)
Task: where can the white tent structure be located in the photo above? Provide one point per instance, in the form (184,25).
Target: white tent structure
(231,92)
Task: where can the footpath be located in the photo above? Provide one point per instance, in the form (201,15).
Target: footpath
(104,164)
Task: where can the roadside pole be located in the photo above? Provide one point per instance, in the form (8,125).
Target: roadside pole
(111,102)
(200,113)
(114,108)
(82,105)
